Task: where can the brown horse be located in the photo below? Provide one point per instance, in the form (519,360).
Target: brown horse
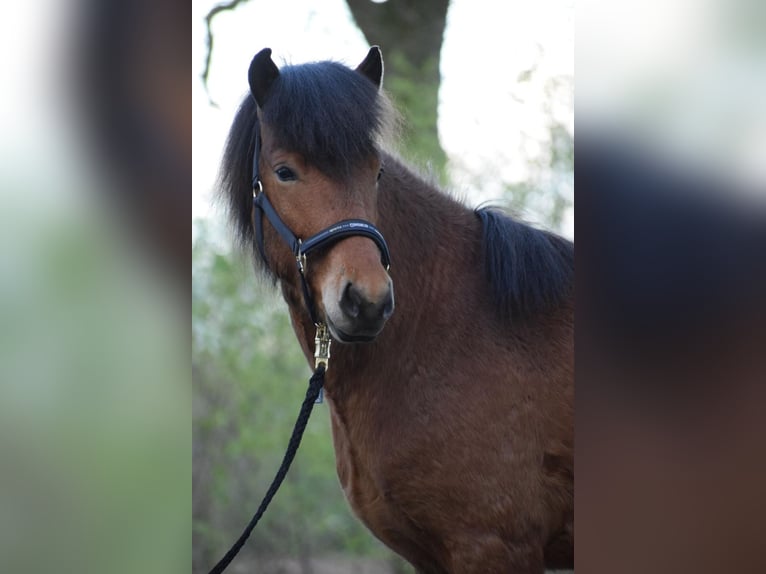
(452,415)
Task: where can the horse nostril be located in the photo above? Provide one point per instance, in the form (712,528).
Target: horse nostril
(355,305)
(350,301)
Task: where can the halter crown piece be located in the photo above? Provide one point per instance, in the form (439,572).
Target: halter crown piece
(302,248)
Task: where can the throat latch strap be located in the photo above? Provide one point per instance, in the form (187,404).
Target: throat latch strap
(263,205)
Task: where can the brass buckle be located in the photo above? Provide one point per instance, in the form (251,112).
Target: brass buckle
(321,354)
(322,343)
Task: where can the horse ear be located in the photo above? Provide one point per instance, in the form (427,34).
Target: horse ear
(261,75)
(372,66)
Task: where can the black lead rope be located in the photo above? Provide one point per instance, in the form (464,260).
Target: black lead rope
(315,386)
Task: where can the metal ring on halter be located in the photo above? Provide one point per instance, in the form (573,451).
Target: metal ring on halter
(300,257)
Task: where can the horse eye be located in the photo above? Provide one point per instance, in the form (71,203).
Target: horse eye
(285,174)
(380,174)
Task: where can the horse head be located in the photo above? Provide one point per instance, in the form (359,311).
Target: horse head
(317,163)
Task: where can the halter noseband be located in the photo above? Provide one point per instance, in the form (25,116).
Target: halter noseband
(300,248)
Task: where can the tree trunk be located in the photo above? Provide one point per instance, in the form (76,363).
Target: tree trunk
(410,33)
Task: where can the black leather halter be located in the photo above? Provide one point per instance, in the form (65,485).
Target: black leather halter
(302,248)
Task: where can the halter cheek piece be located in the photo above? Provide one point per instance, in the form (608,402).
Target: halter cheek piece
(302,248)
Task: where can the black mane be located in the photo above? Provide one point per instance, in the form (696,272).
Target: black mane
(331,115)
(530,270)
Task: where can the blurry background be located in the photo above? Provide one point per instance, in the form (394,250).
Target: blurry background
(95,162)
(486,91)
(671,276)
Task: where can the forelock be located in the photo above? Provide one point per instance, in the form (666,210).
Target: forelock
(331,115)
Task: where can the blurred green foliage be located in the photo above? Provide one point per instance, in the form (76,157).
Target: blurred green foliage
(94,399)
(548,191)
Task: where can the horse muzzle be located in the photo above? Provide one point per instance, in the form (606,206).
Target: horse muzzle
(359,315)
